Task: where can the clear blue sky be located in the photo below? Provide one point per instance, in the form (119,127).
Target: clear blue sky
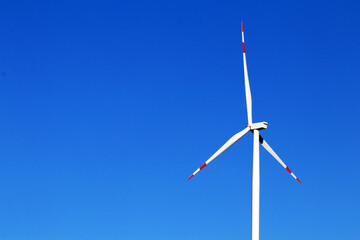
(107,107)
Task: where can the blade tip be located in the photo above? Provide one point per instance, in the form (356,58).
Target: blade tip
(242,26)
(299,181)
(190,177)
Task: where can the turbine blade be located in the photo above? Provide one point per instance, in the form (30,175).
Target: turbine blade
(230,142)
(247,84)
(271,151)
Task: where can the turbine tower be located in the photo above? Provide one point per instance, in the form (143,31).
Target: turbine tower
(254,128)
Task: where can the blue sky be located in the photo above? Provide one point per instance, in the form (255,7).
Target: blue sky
(107,107)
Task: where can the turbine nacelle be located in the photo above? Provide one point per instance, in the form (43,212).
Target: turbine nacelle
(258,126)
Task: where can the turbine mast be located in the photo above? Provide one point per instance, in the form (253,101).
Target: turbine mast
(255,209)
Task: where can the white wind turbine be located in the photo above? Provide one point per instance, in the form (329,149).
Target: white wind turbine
(254,128)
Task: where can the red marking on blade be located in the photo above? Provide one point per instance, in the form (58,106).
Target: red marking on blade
(242,27)
(243,47)
(288,170)
(190,177)
(298,180)
(202,166)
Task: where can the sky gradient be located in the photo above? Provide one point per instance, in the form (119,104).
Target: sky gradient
(107,107)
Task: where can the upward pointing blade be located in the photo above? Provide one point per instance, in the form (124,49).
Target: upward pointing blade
(269,149)
(230,142)
(247,84)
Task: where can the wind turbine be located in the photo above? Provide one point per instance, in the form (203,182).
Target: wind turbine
(254,128)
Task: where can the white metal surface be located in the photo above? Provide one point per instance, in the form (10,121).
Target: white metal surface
(255,209)
(230,142)
(246,77)
(258,126)
(254,127)
(272,152)
(247,85)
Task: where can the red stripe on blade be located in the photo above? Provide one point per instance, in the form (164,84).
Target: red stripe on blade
(190,177)
(298,180)
(202,166)
(243,47)
(288,170)
(242,27)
